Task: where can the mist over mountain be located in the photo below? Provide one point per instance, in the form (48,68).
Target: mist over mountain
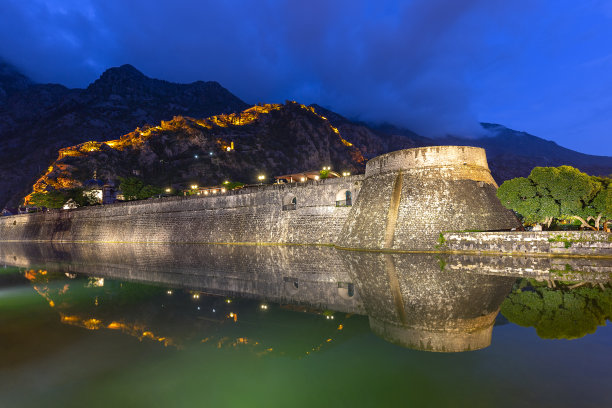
(37,120)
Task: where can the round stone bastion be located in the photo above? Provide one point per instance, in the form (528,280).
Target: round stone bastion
(409,197)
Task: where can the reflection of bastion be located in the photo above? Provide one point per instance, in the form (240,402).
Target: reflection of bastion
(403,202)
(410,301)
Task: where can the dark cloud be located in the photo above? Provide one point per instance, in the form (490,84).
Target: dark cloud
(434,66)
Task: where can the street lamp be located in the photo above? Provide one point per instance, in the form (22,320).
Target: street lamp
(261,178)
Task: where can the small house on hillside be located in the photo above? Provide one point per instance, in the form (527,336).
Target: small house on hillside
(305,176)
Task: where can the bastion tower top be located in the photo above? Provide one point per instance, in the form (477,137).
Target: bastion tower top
(410,196)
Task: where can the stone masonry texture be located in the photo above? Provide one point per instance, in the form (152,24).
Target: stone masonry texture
(405,201)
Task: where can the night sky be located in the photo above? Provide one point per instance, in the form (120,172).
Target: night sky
(436,67)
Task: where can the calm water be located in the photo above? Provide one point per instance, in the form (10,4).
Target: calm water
(116,325)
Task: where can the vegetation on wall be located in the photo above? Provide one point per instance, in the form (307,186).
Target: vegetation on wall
(559,193)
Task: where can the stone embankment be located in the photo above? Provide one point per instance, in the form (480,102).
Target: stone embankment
(556,243)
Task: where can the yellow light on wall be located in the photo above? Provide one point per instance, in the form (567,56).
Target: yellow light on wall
(316,177)
(303,179)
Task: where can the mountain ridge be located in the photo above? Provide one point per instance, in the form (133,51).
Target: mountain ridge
(40,119)
(37,120)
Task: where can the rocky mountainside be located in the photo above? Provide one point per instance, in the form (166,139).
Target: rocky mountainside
(36,120)
(373,140)
(267,139)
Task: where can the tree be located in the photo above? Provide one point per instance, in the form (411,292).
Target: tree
(57,198)
(49,199)
(558,193)
(135,189)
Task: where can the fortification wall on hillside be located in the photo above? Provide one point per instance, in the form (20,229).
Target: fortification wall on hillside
(251,215)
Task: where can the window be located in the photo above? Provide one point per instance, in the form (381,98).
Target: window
(290,203)
(344,198)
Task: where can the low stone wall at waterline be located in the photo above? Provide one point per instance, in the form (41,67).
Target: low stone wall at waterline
(575,243)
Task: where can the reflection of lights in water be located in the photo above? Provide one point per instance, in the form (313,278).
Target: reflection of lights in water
(196,296)
(264,307)
(169,292)
(228,300)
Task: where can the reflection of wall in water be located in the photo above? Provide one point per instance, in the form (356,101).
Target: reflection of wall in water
(313,276)
(412,302)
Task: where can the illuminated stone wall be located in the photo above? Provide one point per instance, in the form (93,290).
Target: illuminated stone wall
(250,215)
(404,201)
(410,196)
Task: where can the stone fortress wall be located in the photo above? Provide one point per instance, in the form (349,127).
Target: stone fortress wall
(410,196)
(250,215)
(403,202)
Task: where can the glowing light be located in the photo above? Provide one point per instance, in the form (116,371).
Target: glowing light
(223,190)
(194,186)
(196,295)
(228,300)
(261,178)
(317,177)
(195,156)
(169,292)
(228,148)
(264,307)
(303,179)
(210,154)
(206,192)
(226,182)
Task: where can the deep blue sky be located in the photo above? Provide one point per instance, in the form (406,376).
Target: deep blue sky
(544,67)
